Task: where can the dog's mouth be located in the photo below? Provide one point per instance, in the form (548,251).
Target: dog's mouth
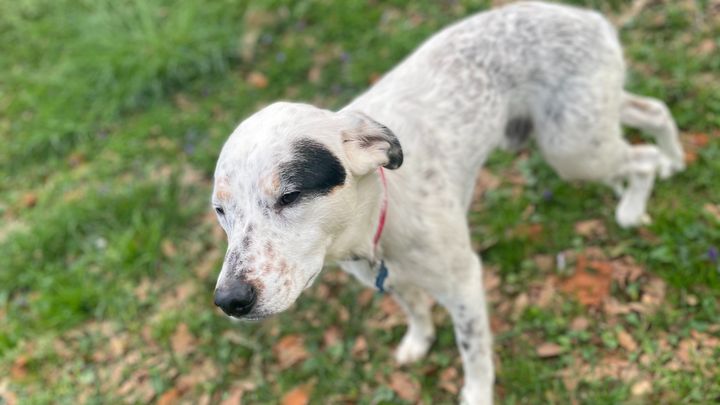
(252,317)
(311,280)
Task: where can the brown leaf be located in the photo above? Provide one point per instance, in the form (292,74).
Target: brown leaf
(579,324)
(519,305)
(626,341)
(545,263)
(626,271)
(289,351)
(686,351)
(7,397)
(549,349)
(374,77)
(653,295)
(365,297)
(591,228)
(641,388)
(168,248)
(235,396)
(405,386)
(169,397)
(449,380)
(486,181)
(706,47)
(299,395)
(591,281)
(315,74)
(182,341)
(257,80)
(389,306)
(359,349)
(202,372)
(184,104)
(118,345)
(713,210)
(18,370)
(332,336)
(142,289)
(29,200)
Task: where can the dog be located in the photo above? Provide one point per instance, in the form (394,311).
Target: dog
(383,185)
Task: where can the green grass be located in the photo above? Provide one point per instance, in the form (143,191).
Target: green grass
(112,115)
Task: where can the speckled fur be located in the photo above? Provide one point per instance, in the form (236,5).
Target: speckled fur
(552,72)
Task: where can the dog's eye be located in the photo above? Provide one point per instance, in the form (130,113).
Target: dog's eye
(220,211)
(289,198)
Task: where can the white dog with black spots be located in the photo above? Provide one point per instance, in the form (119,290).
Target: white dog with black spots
(298,186)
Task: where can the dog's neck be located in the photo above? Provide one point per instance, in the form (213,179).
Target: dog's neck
(356,240)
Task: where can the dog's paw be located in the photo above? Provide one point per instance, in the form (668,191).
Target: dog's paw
(476,396)
(631,221)
(412,348)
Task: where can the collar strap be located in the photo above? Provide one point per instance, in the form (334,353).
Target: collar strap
(382,269)
(383,209)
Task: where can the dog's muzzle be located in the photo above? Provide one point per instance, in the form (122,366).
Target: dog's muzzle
(237,300)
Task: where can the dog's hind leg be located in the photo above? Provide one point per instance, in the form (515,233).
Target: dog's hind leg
(421,331)
(653,116)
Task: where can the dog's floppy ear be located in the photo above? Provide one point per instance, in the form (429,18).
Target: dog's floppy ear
(369,144)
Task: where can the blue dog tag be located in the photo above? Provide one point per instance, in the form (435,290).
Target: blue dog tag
(381,276)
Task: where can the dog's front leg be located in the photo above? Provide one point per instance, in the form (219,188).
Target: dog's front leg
(472,332)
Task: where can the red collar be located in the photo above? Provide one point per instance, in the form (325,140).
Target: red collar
(383,209)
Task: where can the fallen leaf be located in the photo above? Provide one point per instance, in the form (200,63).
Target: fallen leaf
(332,336)
(315,74)
(591,281)
(18,370)
(168,248)
(579,324)
(257,80)
(686,351)
(142,289)
(29,200)
(545,263)
(389,306)
(549,349)
(299,395)
(653,294)
(486,181)
(182,341)
(626,271)
(290,350)
(169,397)
(591,228)
(365,297)
(374,77)
(359,348)
(76,159)
(706,47)
(713,210)
(626,341)
(449,380)
(405,386)
(202,372)
(235,396)
(519,305)
(184,103)
(6,396)
(641,388)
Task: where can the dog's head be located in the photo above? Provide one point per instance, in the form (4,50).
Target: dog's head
(286,189)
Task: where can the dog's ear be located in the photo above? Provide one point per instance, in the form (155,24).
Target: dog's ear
(369,144)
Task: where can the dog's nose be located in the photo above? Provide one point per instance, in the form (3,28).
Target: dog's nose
(236,301)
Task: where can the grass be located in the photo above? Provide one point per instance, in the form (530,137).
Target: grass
(111,118)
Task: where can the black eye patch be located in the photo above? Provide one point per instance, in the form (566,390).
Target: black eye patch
(313,171)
